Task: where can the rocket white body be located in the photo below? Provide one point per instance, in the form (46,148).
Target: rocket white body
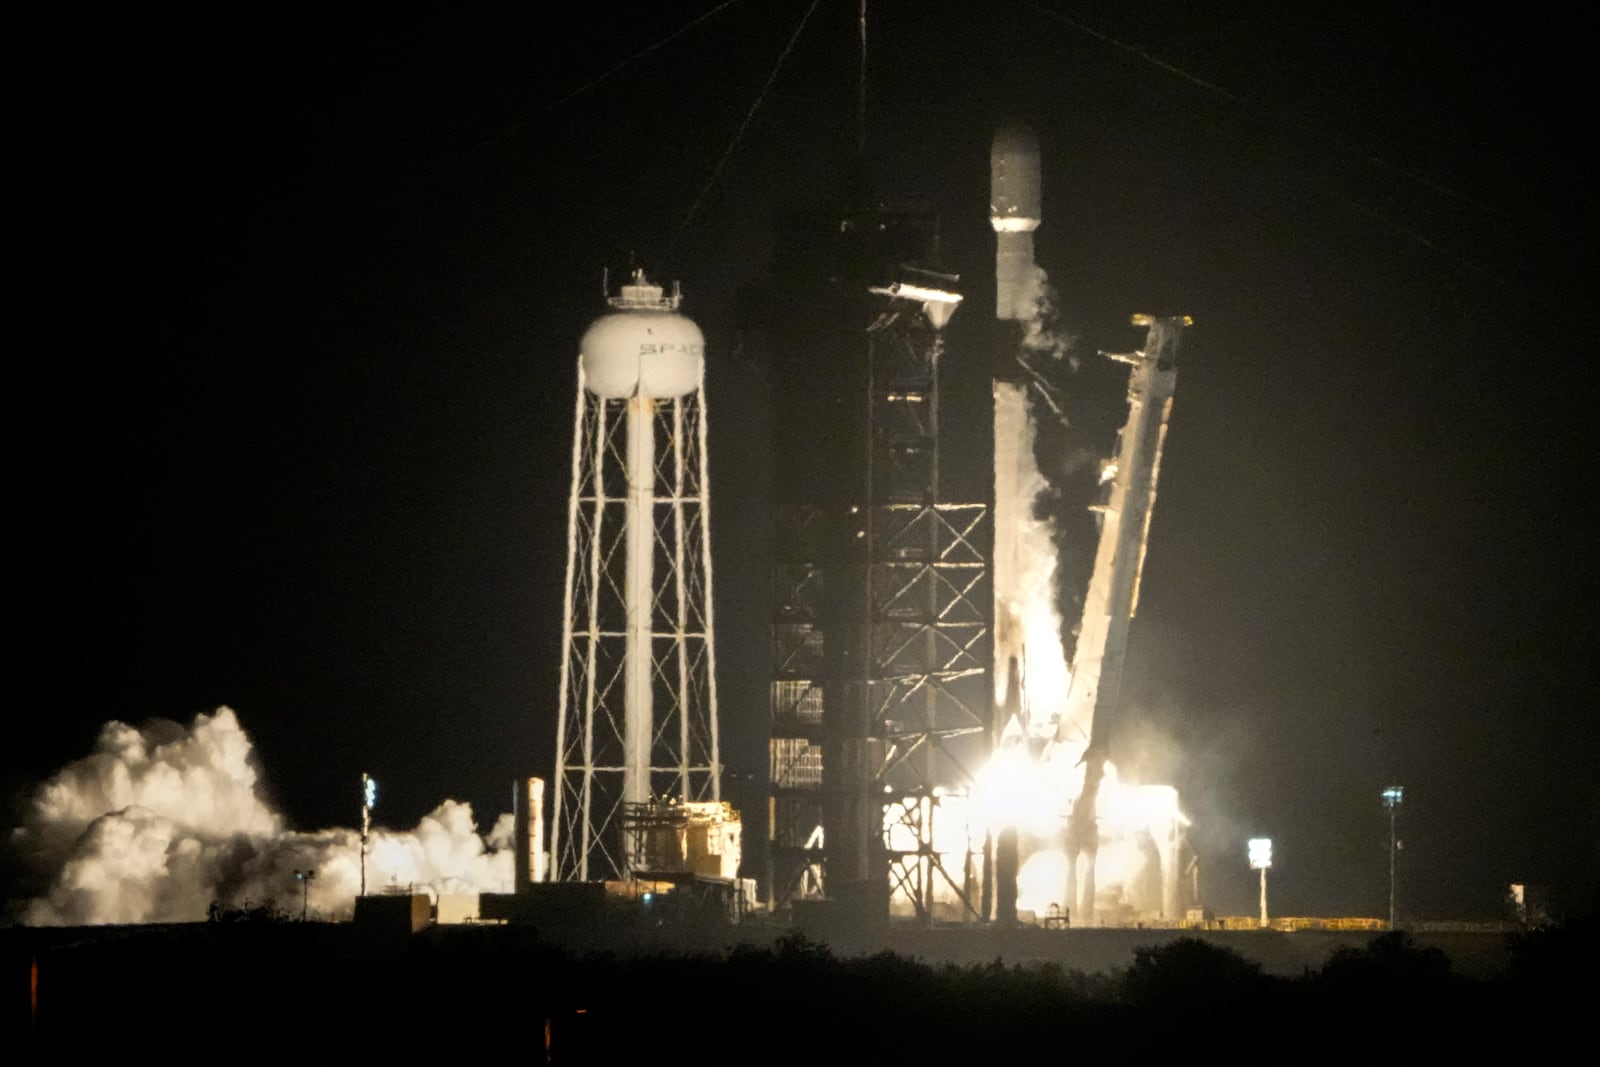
(1027,625)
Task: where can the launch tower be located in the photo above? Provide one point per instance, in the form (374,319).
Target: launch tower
(879,700)
(1112,600)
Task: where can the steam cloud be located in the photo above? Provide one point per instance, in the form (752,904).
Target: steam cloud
(157,824)
(1041,334)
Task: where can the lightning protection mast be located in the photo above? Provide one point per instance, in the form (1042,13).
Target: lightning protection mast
(638,713)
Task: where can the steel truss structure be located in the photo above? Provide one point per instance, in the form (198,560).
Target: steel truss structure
(928,595)
(880,696)
(795,807)
(637,627)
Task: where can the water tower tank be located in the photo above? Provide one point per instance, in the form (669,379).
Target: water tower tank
(643,346)
(638,709)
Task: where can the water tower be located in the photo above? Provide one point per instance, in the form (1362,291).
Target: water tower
(638,711)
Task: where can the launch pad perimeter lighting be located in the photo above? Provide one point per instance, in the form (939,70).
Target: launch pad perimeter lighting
(1260,859)
(305,878)
(369,800)
(1392,798)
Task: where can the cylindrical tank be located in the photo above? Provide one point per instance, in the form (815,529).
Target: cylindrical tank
(643,346)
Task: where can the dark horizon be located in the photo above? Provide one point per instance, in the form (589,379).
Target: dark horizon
(1118,993)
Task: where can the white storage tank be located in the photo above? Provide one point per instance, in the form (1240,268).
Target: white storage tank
(643,346)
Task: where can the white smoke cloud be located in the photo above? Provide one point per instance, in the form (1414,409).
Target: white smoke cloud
(1041,334)
(157,824)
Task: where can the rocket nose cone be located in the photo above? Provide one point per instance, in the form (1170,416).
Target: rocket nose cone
(1014,179)
(1017,142)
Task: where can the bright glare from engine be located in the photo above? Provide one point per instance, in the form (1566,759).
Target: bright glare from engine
(1014,791)
(1141,830)
(1260,853)
(1042,882)
(1132,809)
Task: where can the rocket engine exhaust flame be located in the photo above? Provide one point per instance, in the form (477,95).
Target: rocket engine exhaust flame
(159,823)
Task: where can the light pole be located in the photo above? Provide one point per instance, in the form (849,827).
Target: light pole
(1391,800)
(369,800)
(1260,852)
(304,877)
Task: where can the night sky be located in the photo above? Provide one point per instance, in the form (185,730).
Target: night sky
(296,300)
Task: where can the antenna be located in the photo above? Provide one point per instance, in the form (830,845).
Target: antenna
(861,87)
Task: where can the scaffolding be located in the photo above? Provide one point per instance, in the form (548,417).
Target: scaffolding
(795,808)
(928,631)
(880,692)
(669,837)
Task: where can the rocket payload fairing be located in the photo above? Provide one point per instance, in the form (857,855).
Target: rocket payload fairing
(1014,212)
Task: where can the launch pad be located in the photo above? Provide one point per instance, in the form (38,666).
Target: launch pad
(937,752)
(940,746)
